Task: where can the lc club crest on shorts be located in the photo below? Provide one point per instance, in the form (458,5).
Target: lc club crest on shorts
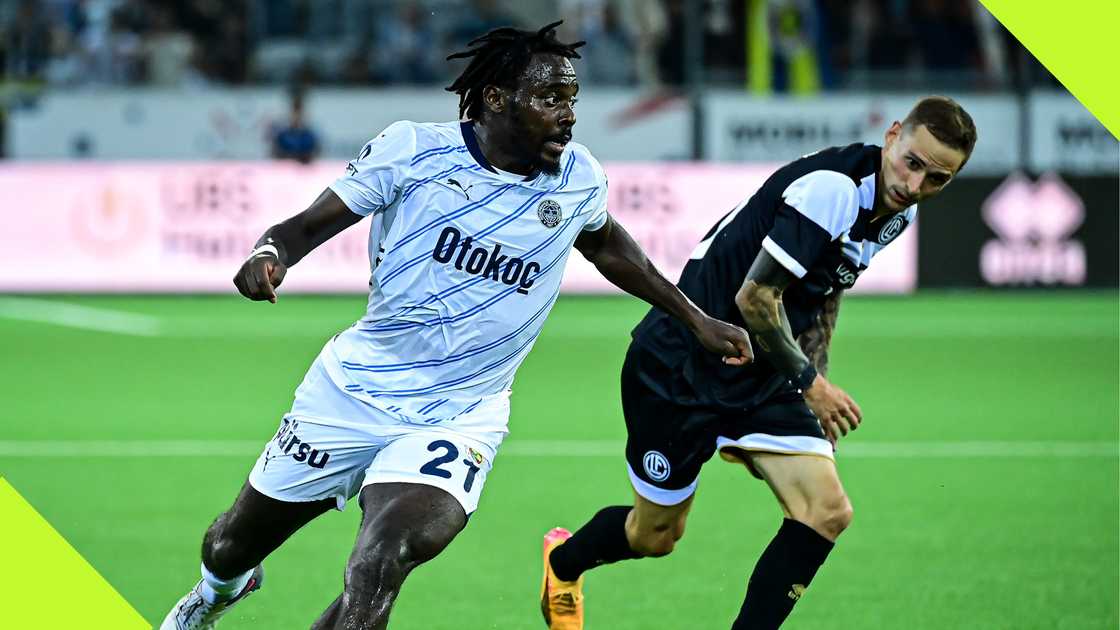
(549,213)
(657,467)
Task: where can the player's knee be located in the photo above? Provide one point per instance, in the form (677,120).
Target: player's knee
(222,553)
(832,516)
(392,555)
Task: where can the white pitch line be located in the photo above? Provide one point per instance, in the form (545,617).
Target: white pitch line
(557,448)
(78,316)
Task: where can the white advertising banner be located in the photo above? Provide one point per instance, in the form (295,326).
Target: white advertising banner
(668,208)
(1065,137)
(186,227)
(237,124)
(744,128)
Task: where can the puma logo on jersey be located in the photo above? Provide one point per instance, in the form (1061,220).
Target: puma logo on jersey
(479,261)
(454,182)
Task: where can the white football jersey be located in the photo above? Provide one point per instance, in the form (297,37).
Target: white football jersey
(466,262)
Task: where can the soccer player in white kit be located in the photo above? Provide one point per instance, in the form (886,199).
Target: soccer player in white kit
(471,223)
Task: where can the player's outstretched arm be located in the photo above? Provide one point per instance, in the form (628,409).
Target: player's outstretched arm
(760,302)
(621,260)
(285,243)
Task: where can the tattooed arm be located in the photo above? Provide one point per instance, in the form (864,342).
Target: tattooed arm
(760,302)
(814,341)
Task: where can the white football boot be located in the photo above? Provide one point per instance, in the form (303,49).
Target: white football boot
(193,612)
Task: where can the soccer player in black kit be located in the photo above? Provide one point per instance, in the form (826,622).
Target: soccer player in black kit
(777,265)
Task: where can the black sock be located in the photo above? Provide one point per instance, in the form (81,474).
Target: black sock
(781,575)
(601,541)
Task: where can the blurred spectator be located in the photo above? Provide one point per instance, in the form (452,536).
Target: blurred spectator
(881,36)
(994,62)
(608,57)
(650,22)
(862,44)
(945,34)
(724,40)
(295,140)
(111,48)
(834,40)
(793,26)
(168,50)
(478,17)
(670,54)
(27,43)
(219,29)
(341,20)
(407,50)
(281,18)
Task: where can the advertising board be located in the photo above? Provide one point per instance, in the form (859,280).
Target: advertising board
(187,226)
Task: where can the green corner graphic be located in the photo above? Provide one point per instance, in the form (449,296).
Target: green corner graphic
(46,583)
(1078,44)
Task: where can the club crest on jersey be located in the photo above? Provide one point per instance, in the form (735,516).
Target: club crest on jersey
(549,213)
(476,456)
(657,467)
(892,229)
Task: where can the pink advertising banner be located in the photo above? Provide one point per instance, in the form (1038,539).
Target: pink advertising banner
(186,227)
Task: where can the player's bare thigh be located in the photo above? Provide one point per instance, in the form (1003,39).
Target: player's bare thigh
(808,488)
(652,529)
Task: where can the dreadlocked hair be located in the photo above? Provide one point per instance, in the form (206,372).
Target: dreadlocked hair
(499,58)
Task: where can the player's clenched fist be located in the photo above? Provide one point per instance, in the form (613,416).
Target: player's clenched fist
(259,276)
(837,412)
(725,339)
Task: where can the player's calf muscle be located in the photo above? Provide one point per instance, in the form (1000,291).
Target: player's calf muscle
(654,535)
(654,545)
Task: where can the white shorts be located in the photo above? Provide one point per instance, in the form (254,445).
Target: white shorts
(331,445)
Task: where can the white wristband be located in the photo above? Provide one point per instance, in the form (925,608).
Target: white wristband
(267,248)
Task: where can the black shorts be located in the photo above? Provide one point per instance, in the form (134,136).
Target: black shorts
(670,433)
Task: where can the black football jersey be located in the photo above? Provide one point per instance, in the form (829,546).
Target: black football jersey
(814,216)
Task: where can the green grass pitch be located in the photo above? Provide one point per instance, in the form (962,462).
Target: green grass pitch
(984,478)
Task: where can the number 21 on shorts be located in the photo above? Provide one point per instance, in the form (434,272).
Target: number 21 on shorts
(450,453)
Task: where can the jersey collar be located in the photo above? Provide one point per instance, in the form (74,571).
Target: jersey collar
(466,127)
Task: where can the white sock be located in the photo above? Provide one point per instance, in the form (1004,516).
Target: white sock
(215,589)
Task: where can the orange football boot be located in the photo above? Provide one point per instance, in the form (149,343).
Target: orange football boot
(561,602)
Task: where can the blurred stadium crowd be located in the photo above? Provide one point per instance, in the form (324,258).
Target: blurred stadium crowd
(809,45)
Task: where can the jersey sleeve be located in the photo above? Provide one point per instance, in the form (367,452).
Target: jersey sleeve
(815,210)
(373,180)
(598,216)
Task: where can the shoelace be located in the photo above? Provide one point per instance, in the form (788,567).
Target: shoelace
(192,612)
(564,603)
